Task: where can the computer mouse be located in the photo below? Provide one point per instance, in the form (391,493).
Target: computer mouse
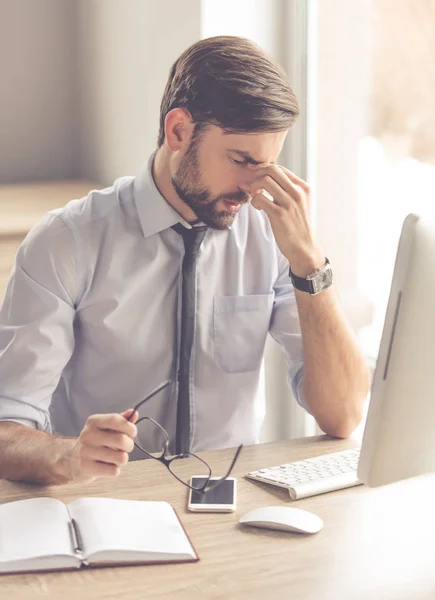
(284,518)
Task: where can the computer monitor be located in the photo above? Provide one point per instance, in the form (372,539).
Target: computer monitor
(399,436)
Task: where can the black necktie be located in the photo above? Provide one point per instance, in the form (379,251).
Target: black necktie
(192,241)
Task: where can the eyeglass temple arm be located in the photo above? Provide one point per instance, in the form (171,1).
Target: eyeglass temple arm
(215,484)
(236,456)
(151,395)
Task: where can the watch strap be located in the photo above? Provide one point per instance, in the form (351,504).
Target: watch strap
(301,283)
(305,284)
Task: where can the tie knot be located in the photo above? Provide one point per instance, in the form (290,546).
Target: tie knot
(192,237)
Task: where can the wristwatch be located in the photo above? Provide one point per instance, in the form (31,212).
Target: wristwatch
(316,282)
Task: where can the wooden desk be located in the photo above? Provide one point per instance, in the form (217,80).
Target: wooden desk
(364,552)
(22,205)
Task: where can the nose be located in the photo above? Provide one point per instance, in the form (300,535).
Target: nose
(245,187)
(245,179)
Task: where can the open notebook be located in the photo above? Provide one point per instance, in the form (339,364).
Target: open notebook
(44,534)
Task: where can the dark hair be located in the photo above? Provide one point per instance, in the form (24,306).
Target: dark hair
(230,82)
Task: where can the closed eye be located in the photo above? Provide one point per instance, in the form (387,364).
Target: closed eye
(238,162)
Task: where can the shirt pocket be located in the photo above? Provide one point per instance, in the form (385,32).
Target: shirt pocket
(240,325)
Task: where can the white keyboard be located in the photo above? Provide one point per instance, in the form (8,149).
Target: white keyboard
(312,476)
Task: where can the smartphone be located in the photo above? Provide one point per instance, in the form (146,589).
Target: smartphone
(220,499)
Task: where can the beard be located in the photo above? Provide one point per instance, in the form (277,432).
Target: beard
(187,184)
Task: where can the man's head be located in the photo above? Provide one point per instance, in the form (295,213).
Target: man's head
(226,106)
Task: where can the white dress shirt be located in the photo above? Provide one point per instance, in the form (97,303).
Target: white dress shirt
(91,317)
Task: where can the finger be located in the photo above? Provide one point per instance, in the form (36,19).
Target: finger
(92,468)
(267,183)
(302,184)
(110,439)
(275,172)
(105,455)
(131,415)
(114,422)
(261,202)
(294,186)
(295,179)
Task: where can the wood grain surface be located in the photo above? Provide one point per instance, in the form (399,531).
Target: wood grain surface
(375,544)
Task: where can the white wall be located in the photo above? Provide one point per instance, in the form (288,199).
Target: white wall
(126,51)
(254,19)
(38,90)
(81,83)
(339,78)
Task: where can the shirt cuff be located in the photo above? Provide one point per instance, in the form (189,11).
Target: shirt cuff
(22,412)
(297,388)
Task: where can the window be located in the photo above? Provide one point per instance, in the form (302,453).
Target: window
(396,155)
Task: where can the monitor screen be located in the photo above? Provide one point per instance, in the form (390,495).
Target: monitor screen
(399,436)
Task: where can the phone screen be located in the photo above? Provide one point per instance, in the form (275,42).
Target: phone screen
(222,494)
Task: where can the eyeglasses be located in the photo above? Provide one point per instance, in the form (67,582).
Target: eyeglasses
(149,429)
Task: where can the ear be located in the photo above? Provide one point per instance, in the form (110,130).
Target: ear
(178,129)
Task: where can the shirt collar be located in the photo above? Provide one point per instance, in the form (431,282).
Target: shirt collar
(155,213)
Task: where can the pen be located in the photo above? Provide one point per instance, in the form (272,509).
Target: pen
(75,536)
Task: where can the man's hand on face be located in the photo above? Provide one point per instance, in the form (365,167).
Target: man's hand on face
(288,213)
(103,446)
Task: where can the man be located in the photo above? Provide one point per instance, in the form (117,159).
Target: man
(93,315)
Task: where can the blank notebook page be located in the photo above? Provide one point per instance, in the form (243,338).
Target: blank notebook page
(129,525)
(35,527)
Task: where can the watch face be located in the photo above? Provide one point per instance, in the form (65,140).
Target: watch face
(322,280)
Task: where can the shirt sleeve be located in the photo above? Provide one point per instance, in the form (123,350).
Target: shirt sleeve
(285,329)
(36,323)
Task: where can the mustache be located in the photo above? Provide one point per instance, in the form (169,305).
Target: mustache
(241,197)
